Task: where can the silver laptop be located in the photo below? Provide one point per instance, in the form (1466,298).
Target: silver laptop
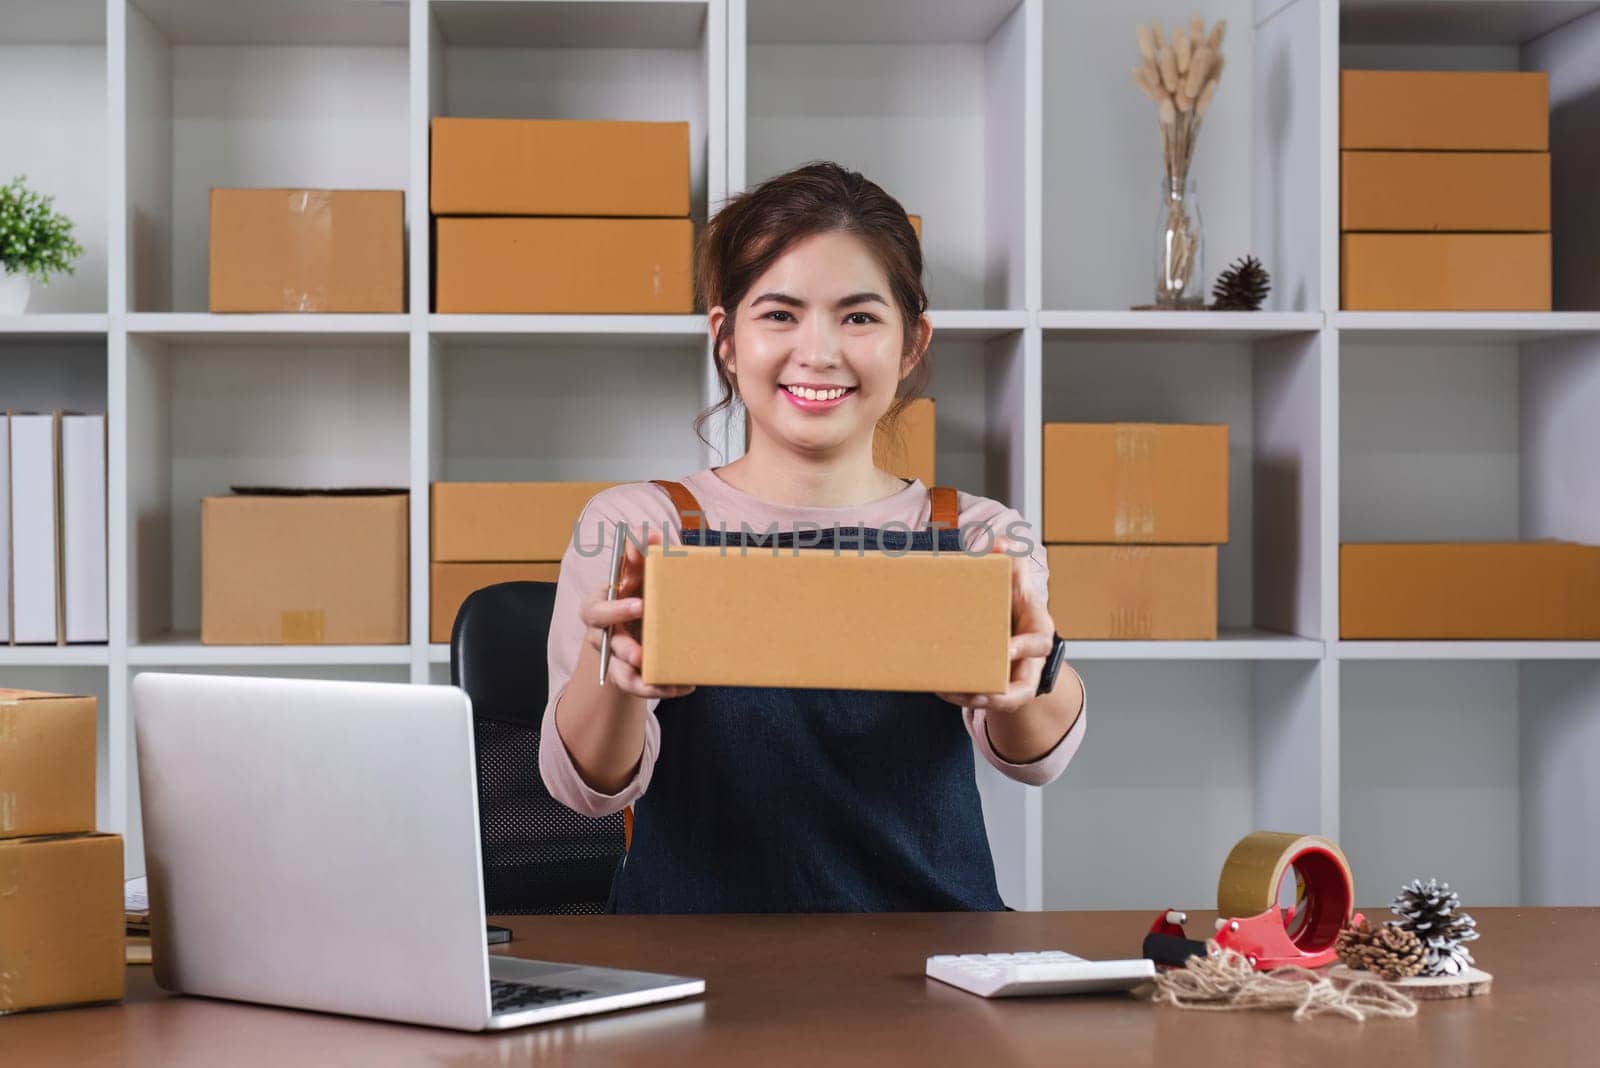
(315,845)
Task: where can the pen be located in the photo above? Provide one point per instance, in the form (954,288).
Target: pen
(617,539)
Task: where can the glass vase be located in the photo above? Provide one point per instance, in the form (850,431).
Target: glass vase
(1180,246)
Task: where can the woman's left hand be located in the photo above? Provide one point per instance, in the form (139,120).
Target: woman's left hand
(1032,634)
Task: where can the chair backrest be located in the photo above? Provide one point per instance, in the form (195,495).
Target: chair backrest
(538,855)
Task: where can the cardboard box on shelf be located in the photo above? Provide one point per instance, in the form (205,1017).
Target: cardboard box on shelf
(559,167)
(1469,590)
(1134,592)
(1445,272)
(47,764)
(1421,191)
(61,921)
(451,584)
(911,452)
(304,569)
(508,522)
(1135,483)
(916,224)
(1499,111)
(307,250)
(936,622)
(564,266)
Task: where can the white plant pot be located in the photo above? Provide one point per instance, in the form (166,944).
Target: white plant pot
(14,290)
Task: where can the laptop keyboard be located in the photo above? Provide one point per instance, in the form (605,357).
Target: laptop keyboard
(513,997)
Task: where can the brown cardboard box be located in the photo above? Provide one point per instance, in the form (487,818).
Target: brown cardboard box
(508,522)
(916,224)
(304,570)
(61,921)
(565,266)
(307,250)
(911,452)
(1135,483)
(559,167)
(816,619)
(1445,272)
(1445,191)
(1500,111)
(47,745)
(1507,590)
(452,583)
(1134,592)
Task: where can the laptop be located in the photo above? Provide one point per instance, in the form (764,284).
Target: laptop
(315,845)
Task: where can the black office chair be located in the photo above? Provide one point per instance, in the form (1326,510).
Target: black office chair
(538,855)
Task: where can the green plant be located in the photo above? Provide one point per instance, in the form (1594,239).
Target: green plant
(34,239)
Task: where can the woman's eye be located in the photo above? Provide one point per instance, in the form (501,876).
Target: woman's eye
(860,319)
(779,316)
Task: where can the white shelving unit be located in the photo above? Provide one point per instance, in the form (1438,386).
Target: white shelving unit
(1011,127)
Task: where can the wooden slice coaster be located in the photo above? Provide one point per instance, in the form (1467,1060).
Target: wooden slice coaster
(1469,983)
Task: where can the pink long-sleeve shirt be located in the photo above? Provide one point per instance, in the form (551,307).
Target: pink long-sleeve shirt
(637,503)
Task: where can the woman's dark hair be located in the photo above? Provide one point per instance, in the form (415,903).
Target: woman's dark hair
(756,227)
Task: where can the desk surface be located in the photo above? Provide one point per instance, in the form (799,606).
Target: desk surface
(850,989)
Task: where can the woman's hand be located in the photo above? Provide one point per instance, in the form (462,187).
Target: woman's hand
(623,616)
(1032,634)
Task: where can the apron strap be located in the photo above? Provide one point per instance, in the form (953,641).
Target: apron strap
(690,515)
(945,508)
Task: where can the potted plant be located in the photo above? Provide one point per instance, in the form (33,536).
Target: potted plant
(35,242)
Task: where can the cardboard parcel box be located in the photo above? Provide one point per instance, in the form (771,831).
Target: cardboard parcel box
(509,522)
(1445,272)
(1134,592)
(1135,483)
(559,167)
(1474,111)
(304,569)
(307,250)
(451,584)
(61,921)
(1469,590)
(1443,191)
(564,266)
(814,618)
(47,767)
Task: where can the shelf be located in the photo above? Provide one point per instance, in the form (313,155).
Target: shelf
(975,325)
(1177,325)
(616,24)
(1475,22)
(1466,650)
(62,327)
(185,650)
(588,330)
(55,22)
(882,22)
(439,653)
(193,328)
(282,22)
(1235,644)
(1467,327)
(54,655)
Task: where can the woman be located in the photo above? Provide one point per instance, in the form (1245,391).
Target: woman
(763,799)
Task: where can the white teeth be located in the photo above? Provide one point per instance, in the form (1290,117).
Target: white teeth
(816,394)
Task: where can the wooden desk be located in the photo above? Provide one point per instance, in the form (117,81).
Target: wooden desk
(850,989)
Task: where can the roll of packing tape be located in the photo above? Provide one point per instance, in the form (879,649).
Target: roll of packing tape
(1324,887)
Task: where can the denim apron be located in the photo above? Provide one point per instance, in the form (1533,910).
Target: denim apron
(766,799)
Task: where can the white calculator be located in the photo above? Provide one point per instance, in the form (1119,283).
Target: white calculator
(1054,971)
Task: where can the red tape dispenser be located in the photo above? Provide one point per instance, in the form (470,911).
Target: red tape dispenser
(1253,923)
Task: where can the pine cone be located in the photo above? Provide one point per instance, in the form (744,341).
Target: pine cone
(1388,952)
(1430,911)
(1242,287)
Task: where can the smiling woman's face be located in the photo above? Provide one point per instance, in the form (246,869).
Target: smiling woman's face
(818,346)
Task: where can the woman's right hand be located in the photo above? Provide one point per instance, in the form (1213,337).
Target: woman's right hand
(623,615)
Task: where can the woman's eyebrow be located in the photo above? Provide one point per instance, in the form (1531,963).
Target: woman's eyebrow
(779,298)
(860,298)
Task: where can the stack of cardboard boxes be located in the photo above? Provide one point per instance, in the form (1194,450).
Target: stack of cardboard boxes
(1133,515)
(307,250)
(294,567)
(1445,191)
(61,916)
(554,216)
(489,532)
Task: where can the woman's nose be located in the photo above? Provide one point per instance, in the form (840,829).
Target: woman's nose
(818,343)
